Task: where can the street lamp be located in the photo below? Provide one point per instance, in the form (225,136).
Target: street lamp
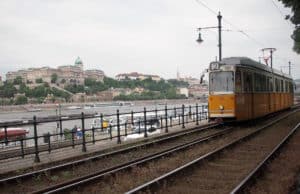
(200,40)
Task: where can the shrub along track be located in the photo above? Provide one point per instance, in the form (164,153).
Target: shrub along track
(221,172)
(123,179)
(35,180)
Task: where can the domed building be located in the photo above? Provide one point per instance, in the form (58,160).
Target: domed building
(79,63)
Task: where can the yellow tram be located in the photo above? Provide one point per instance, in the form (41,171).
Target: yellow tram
(242,89)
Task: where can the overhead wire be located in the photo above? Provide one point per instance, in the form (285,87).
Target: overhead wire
(231,24)
(281,13)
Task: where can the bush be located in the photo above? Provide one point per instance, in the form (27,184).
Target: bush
(67,134)
(21,100)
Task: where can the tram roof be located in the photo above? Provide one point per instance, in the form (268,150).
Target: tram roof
(245,61)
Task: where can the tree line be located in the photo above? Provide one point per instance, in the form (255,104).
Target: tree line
(163,89)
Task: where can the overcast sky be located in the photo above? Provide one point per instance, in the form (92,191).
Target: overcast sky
(153,36)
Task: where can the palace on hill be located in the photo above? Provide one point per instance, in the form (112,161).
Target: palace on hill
(69,74)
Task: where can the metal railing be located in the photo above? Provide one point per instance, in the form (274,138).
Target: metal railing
(103,127)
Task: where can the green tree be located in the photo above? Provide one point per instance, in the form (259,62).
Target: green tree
(18,80)
(74,88)
(21,100)
(39,80)
(54,78)
(295,19)
(8,90)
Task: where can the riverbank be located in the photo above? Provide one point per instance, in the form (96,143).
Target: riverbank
(41,107)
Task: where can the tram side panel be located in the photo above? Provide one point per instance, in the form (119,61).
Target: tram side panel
(243,106)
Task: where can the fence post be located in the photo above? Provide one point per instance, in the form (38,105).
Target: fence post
(83,132)
(202,111)
(110,131)
(190,111)
(126,128)
(93,132)
(155,113)
(60,128)
(166,119)
(175,113)
(118,126)
(49,142)
(101,120)
(183,126)
(197,115)
(132,121)
(5,134)
(139,126)
(36,146)
(145,123)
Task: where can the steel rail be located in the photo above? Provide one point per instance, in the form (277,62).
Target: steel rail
(259,168)
(154,184)
(97,157)
(68,185)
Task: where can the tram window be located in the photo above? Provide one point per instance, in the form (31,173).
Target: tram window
(247,82)
(221,81)
(238,81)
(264,83)
(256,82)
(291,87)
(259,82)
(281,84)
(277,85)
(270,84)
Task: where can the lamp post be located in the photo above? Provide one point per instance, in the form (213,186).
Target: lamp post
(200,40)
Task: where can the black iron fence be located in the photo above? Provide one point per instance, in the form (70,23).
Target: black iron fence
(120,126)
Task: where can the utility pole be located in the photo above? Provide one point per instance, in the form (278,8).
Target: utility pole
(220,35)
(289,67)
(200,40)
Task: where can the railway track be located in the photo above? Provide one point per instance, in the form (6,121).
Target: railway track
(116,179)
(250,178)
(51,175)
(225,168)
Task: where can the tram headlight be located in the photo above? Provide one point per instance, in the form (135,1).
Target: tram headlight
(221,107)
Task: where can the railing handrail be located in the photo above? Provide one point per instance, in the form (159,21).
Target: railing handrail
(165,117)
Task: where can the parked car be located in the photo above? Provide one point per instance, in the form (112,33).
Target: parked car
(152,124)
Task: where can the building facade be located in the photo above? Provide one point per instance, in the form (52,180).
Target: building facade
(137,76)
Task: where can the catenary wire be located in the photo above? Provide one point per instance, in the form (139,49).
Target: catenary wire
(231,24)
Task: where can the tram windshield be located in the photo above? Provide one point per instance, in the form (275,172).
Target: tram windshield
(221,81)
